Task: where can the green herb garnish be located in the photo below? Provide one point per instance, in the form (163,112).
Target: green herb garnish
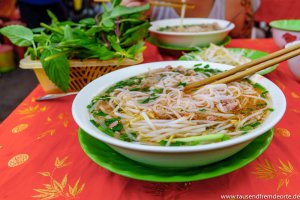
(158,90)
(99,113)
(117,127)
(103,129)
(126,138)
(251,126)
(182,84)
(198,65)
(130,82)
(147,100)
(247,110)
(117,33)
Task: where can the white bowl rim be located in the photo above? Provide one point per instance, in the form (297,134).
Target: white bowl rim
(190,20)
(115,76)
(292,43)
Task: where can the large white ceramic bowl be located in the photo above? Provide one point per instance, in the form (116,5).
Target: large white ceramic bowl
(294,63)
(285,31)
(185,39)
(173,157)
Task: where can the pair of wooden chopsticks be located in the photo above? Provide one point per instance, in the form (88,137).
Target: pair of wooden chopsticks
(248,68)
(171,3)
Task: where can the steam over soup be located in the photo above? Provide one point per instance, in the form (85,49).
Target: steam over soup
(192,28)
(152,109)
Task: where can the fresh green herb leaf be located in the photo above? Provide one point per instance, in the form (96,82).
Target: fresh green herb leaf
(124,10)
(56,69)
(264,94)
(158,90)
(88,21)
(68,35)
(271,109)
(259,87)
(145,89)
(182,84)
(99,113)
(117,127)
(103,129)
(247,110)
(205,70)
(261,104)
(116,2)
(202,110)
(129,82)
(198,65)
(52,16)
(18,35)
(147,100)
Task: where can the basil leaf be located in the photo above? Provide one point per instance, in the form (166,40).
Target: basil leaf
(116,2)
(135,49)
(52,16)
(18,35)
(88,21)
(123,10)
(68,33)
(57,69)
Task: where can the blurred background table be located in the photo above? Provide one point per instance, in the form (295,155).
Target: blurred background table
(41,158)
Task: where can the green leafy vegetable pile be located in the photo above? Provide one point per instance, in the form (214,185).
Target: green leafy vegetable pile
(116,33)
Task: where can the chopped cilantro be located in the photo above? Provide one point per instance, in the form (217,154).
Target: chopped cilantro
(264,94)
(145,89)
(129,82)
(182,84)
(117,127)
(261,104)
(126,138)
(247,110)
(147,100)
(158,90)
(103,129)
(99,113)
(206,70)
(197,65)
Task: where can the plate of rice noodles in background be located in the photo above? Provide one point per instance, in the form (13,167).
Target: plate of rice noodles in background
(229,56)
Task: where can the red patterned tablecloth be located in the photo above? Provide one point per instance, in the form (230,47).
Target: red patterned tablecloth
(41,158)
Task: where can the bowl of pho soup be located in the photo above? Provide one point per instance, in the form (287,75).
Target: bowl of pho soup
(142,113)
(190,32)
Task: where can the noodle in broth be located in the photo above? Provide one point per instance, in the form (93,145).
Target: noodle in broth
(152,109)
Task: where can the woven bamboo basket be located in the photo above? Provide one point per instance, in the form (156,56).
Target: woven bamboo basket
(81,72)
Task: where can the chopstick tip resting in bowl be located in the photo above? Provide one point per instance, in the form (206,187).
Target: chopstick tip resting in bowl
(247,69)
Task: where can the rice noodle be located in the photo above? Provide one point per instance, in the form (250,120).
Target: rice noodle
(164,112)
